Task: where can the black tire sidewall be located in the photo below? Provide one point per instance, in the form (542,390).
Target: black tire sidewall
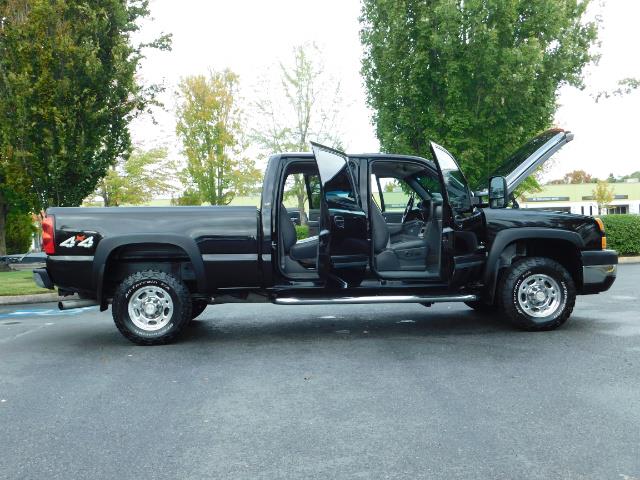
(564,290)
(519,273)
(173,324)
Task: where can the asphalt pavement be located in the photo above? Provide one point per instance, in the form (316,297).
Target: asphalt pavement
(327,392)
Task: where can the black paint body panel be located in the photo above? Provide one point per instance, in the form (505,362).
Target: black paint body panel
(585,227)
(220,242)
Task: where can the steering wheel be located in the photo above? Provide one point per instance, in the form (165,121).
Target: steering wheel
(408,208)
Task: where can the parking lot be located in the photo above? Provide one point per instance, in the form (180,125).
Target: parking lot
(384,391)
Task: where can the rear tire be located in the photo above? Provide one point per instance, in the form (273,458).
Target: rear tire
(151,307)
(537,294)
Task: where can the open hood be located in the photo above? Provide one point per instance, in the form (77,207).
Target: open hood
(530,156)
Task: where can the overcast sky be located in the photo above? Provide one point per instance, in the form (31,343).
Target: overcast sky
(249,37)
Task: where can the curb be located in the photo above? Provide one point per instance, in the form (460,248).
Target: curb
(35,298)
(629,259)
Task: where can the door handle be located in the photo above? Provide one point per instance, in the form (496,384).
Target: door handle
(339,221)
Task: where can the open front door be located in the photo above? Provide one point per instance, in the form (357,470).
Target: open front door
(463,224)
(343,248)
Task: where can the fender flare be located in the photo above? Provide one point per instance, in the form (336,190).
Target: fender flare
(508,236)
(108,245)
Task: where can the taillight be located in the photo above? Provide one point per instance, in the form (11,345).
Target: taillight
(48,243)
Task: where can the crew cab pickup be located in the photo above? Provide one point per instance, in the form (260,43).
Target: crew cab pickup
(383,228)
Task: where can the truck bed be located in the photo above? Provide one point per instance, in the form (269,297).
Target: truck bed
(219,243)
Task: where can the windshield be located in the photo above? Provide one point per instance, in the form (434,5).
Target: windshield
(456,184)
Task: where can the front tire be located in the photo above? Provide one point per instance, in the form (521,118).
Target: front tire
(537,294)
(151,307)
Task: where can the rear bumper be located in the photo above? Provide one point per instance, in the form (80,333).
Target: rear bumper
(599,269)
(42,279)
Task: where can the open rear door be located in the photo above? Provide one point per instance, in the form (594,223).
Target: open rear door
(343,248)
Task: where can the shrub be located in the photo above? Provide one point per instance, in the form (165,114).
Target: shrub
(623,233)
(19,231)
(302,231)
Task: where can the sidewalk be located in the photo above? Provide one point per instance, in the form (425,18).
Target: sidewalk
(629,259)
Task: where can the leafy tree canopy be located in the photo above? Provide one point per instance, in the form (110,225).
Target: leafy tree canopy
(576,176)
(603,194)
(210,125)
(20,229)
(136,179)
(69,89)
(480,77)
(300,108)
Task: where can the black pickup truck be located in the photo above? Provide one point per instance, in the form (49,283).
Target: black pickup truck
(160,267)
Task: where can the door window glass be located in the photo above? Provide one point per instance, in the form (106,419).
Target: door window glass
(375,193)
(314,191)
(396,194)
(339,193)
(455,183)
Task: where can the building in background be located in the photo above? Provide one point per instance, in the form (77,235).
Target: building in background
(578,198)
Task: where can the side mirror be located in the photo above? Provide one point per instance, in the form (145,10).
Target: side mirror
(498,192)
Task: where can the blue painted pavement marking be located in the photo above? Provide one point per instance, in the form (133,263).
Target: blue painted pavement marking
(45,312)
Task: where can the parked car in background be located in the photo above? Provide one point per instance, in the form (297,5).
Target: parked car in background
(294,215)
(26,260)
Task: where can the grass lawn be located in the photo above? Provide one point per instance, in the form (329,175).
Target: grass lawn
(19,283)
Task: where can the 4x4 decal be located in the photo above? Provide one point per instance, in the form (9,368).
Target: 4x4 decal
(79,240)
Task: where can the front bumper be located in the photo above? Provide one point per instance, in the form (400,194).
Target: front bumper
(42,279)
(599,268)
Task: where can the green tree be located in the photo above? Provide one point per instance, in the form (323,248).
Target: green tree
(303,108)
(625,87)
(20,230)
(576,176)
(69,90)
(136,179)
(635,175)
(210,125)
(190,196)
(603,194)
(481,77)
(391,186)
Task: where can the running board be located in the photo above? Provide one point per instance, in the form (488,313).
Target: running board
(374,299)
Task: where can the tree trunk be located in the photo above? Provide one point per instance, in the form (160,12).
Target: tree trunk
(303,214)
(4,210)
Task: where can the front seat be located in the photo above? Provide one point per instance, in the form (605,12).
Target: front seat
(404,255)
(304,251)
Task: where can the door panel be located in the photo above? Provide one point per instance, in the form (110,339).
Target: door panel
(464,223)
(343,252)
(393,217)
(314,222)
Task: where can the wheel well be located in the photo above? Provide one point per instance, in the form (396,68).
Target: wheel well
(562,251)
(165,257)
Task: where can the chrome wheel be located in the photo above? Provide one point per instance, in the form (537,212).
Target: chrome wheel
(539,295)
(150,308)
